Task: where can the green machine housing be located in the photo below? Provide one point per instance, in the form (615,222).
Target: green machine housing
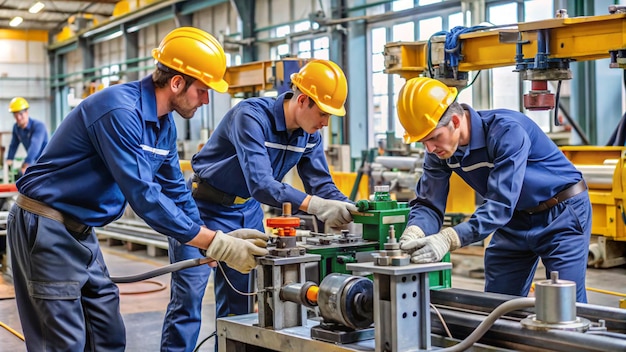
(379,215)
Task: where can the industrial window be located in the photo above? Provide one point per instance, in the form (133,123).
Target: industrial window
(505,90)
(399,5)
(304,42)
(280,50)
(535,10)
(507,87)
(384,88)
(405,32)
(110,75)
(233,60)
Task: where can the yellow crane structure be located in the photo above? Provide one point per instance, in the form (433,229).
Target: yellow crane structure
(541,51)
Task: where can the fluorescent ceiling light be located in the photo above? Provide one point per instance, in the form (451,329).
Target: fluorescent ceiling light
(38,6)
(16,21)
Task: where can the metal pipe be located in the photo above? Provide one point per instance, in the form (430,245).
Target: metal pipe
(595,256)
(485,302)
(598,176)
(510,334)
(297,293)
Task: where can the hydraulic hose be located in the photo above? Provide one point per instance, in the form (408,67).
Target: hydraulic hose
(506,307)
(162,270)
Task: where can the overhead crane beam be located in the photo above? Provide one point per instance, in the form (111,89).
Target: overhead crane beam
(259,76)
(540,51)
(577,39)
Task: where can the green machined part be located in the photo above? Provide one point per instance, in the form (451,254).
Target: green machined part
(334,258)
(377,216)
(363,205)
(383,196)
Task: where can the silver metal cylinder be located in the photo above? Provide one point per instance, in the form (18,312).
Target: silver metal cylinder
(398,162)
(595,256)
(555,300)
(296,292)
(346,300)
(598,176)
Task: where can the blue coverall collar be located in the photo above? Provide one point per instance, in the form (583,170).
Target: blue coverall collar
(148,100)
(477,138)
(28,125)
(279,114)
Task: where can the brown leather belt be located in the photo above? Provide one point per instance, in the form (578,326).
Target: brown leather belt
(567,193)
(42,209)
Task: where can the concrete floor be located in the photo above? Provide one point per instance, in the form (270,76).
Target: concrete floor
(143,312)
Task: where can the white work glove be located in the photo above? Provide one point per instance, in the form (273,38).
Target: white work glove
(255,237)
(235,251)
(431,249)
(412,232)
(333,212)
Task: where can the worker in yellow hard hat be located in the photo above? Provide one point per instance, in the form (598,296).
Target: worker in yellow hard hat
(117,147)
(31,133)
(242,166)
(536,202)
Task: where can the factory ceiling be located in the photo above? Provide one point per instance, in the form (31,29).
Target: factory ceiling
(54,15)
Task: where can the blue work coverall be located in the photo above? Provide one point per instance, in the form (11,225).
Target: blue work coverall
(514,166)
(112,148)
(247,156)
(34,137)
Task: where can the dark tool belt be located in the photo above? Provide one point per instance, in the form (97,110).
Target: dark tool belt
(42,209)
(203,191)
(567,193)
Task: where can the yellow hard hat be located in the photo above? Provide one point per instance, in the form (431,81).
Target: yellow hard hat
(325,83)
(421,103)
(195,53)
(18,104)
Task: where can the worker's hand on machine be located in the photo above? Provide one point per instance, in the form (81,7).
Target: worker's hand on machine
(255,237)
(412,232)
(333,212)
(432,248)
(237,252)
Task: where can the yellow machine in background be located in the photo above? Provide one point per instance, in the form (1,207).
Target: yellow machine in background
(604,170)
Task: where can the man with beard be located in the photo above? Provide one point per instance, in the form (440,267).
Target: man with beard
(117,147)
(242,166)
(536,202)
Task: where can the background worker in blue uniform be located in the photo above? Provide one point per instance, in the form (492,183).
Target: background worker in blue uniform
(30,132)
(117,146)
(536,203)
(241,166)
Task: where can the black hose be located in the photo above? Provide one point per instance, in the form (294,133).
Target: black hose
(213,334)
(574,124)
(189,263)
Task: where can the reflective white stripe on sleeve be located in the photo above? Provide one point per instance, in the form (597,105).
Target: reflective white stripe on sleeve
(471,167)
(290,148)
(154,150)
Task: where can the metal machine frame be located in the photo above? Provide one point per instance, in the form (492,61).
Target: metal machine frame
(402,316)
